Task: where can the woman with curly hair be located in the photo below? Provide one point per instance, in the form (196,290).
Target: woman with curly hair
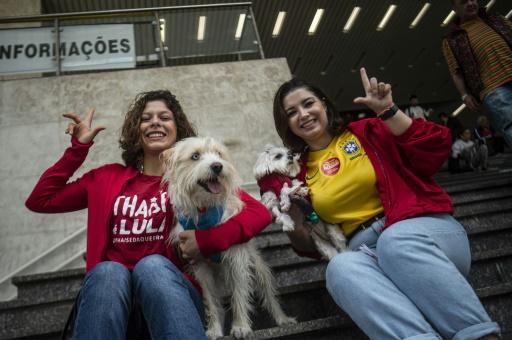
(135,282)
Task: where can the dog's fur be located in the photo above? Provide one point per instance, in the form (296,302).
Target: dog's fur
(278,162)
(201,175)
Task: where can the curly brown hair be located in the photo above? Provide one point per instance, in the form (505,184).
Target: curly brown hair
(336,123)
(130,140)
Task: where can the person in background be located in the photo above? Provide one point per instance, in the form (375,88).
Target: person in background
(486,135)
(451,123)
(405,276)
(414,110)
(478,51)
(469,154)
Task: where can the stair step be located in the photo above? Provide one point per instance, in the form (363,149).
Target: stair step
(497,301)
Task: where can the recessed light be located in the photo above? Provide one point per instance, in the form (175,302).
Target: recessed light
(386,17)
(316,21)
(240,26)
(351,19)
(420,15)
(278,24)
(201,28)
(448,18)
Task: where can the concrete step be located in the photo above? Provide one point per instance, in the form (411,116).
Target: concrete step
(43,310)
(496,300)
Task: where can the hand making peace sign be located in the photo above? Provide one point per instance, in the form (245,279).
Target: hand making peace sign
(378,95)
(81,129)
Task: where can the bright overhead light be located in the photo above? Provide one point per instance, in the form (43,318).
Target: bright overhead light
(351,19)
(201,28)
(386,17)
(509,15)
(162,30)
(459,110)
(489,5)
(420,15)
(316,21)
(448,18)
(240,26)
(278,24)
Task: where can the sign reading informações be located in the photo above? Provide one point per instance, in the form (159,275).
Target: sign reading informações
(82,47)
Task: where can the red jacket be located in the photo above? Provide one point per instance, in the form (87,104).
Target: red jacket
(97,189)
(404,166)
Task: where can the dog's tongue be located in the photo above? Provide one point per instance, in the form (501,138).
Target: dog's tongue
(214,187)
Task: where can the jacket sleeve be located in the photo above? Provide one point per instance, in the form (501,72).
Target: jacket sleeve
(253,218)
(426,146)
(53,193)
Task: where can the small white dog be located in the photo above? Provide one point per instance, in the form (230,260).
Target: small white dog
(275,170)
(204,190)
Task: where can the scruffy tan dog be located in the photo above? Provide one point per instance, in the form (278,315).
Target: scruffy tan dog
(275,171)
(203,181)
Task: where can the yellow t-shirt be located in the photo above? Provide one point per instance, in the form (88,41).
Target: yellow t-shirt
(342,183)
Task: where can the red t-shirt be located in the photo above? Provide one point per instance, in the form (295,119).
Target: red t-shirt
(139,222)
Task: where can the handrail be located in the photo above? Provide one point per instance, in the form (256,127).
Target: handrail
(40,256)
(113,12)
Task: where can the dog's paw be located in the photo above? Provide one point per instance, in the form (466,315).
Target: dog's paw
(286,320)
(328,252)
(240,332)
(285,204)
(288,227)
(303,191)
(213,333)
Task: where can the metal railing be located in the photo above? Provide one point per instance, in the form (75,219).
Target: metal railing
(155,16)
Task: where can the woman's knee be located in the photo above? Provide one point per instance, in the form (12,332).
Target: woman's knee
(109,273)
(154,266)
(340,273)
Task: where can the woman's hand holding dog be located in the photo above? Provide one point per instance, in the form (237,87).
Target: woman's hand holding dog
(188,246)
(300,236)
(81,128)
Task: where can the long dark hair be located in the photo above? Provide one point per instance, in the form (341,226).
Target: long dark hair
(336,123)
(130,140)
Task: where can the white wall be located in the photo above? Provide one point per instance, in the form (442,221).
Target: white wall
(229,101)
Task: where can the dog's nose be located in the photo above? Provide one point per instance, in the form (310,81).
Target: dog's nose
(290,156)
(216,167)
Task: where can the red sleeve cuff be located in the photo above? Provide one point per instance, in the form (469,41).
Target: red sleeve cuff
(253,218)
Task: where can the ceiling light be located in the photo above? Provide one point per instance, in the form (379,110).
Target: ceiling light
(459,110)
(278,24)
(316,21)
(509,15)
(240,26)
(351,19)
(386,18)
(448,18)
(420,15)
(201,27)
(489,5)
(162,30)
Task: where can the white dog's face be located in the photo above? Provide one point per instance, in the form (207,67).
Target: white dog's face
(278,160)
(199,173)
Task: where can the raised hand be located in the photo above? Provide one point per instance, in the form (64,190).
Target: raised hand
(378,95)
(81,128)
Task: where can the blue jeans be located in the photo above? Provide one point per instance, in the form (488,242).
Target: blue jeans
(409,282)
(498,105)
(171,306)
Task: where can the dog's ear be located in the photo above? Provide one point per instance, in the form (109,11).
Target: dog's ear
(269,147)
(167,159)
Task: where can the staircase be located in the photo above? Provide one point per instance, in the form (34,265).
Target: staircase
(483,204)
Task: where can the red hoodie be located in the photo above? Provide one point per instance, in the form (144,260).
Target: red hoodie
(404,166)
(97,189)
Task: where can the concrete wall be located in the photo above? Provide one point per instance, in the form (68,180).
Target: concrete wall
(229,101)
